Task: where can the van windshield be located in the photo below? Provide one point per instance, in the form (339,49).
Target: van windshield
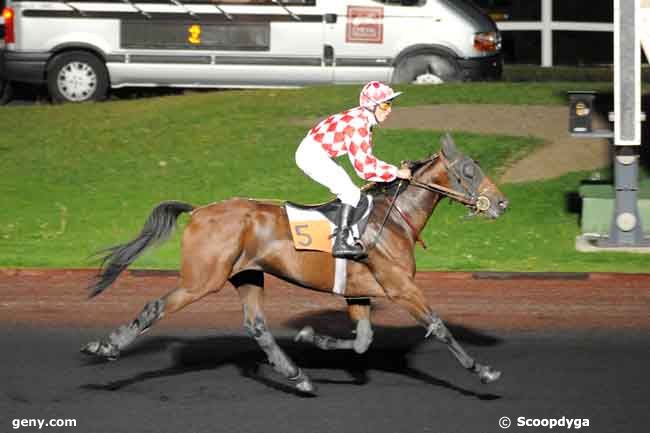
(471,11)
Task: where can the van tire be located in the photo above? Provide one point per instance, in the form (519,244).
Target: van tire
(77,76)
(6,92)
(427,69)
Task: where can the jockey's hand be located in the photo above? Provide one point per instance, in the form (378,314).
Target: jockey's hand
(404,173)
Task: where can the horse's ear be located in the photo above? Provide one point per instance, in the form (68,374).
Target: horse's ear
(448,147)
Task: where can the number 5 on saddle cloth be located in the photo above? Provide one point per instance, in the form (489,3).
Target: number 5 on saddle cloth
(313,227)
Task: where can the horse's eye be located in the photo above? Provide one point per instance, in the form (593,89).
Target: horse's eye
(468,170)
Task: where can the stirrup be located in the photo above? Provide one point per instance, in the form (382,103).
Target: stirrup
(344,250)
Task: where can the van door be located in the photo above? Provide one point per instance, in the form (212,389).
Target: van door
(296,54)
(358,34)
(288,49)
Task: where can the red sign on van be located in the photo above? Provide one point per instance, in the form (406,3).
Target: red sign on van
(365,25)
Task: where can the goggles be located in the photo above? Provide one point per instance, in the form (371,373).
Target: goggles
(385,105)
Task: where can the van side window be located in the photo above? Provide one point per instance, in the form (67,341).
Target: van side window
(402,2)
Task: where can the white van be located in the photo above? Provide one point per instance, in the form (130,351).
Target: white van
(83,48)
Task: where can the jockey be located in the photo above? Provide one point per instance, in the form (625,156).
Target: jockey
(349,133)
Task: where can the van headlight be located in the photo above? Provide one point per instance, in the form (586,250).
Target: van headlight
(487,42)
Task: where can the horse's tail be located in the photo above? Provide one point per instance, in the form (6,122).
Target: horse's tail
(158,227)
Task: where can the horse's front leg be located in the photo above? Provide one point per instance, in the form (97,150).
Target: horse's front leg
(199,277)
(437,328)
(359,311)
(401,288)
(250,286)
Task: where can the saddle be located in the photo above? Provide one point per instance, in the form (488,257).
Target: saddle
(313,226)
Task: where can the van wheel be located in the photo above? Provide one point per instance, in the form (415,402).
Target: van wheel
(427,69)
(77,76)
(6,92)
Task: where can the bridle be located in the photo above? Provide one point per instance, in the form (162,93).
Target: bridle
(470,197)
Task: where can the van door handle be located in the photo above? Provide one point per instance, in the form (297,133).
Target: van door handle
(330,18)
(328,55)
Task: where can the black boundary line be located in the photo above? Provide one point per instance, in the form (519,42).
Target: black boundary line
(530,275)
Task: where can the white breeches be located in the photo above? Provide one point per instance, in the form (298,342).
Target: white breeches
(317,164)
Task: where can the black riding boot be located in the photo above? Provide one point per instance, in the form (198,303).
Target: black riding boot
(341,247)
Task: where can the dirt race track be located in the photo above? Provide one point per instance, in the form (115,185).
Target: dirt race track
(486,301)
(571,347)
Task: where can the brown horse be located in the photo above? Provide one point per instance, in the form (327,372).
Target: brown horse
(238,240)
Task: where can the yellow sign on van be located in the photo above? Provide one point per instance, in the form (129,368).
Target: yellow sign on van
(195,34)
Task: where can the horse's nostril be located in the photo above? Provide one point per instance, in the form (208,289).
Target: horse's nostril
(503,204)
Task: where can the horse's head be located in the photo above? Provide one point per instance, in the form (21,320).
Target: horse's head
(460,178)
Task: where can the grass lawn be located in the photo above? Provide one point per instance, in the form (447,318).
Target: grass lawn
(77,178)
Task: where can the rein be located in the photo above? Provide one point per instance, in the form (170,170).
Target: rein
(390,208)
(393,204)
(408,222)
(434,187)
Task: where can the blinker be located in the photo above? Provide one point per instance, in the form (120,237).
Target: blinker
(468,170)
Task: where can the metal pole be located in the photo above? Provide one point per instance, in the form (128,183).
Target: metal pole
(547,33)
(626,229)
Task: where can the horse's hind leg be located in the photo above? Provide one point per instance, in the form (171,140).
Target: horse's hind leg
(202,272)
(359,311)
(250,286)
(120,338)
(124,335)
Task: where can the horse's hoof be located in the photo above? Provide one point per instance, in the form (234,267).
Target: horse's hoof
(102,349)
(90,348)
(302,383)
(306,335)
(306,387)
(488,375)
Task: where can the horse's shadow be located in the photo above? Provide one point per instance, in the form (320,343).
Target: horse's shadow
(391,351)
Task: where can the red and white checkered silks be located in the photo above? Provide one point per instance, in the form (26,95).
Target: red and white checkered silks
(349,133)
(374,93)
